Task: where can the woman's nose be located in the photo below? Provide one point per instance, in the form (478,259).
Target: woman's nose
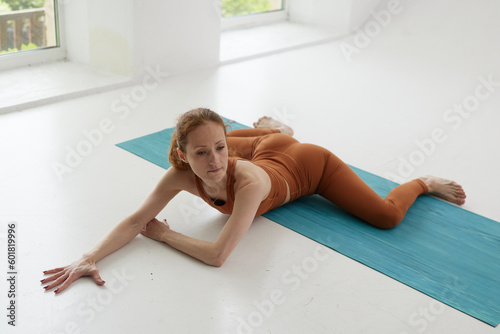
(214,159)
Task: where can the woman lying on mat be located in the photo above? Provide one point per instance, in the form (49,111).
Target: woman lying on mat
(245,173)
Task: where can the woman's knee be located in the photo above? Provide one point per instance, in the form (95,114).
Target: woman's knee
(386,219)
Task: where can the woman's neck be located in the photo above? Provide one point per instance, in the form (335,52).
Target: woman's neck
(215,189)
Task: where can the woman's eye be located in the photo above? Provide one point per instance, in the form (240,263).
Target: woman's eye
(220,148)
(201,153)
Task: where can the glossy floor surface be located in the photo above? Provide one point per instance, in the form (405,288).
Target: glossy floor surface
(421,96)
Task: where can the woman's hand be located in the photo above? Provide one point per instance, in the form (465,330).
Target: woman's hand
(64,276)
(156,229)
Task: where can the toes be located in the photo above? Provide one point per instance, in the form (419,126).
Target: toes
(459,199)
(262,122)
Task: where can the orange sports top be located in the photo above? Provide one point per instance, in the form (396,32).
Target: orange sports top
(276,197)
(282,157)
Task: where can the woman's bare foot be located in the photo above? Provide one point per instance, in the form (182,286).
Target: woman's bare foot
(270,123)
(446,189)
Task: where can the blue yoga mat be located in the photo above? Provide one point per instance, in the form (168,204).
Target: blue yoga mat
(442,250)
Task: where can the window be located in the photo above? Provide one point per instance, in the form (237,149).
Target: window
(27,25)
(231,8)
(245,13)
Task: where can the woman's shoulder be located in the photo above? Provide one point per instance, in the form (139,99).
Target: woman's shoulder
(246,173)
(177,179)
(243,168)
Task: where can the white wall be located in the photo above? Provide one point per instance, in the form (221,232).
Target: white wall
(340,16)
(329,14)
(361,11)
(100,34)
(178,36)
(127,36)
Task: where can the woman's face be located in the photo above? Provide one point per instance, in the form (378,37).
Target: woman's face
(206,152)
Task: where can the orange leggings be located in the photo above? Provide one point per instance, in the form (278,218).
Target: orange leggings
(311,169)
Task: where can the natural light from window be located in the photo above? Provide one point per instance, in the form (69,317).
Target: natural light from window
(234,8)
(27,25)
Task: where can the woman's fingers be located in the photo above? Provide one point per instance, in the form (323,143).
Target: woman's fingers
(70,279)
(64,276)
(53,277)
(145,227)
(155,229)
(65,280)
(52,271)
(58,281)
(97,278)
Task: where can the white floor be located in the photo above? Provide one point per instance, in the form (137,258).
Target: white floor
(378,112)
(34,86)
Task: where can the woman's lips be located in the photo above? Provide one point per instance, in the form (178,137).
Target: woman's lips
(215,170)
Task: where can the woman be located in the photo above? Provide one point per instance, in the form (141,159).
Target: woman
(245,173)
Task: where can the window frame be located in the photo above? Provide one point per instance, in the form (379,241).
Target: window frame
(40,55)
(256,19)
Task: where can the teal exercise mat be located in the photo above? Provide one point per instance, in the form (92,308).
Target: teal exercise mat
(442,250)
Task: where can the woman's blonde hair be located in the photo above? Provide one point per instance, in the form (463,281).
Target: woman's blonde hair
(186,123)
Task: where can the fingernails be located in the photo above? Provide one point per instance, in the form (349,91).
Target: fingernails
(42,281)
(46,287)
(45,272)
(55,291)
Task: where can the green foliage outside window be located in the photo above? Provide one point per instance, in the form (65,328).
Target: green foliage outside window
(24,47)
(4,8)
(7,6)
(12,5)
(244,7)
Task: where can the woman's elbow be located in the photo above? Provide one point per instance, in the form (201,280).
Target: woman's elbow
(135,222)
(218,263)
(218,259)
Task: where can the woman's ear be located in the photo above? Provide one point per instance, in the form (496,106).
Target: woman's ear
(182,156)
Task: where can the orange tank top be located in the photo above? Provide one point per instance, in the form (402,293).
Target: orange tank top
(276,197)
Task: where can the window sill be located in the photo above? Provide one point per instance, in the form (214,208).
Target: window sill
(241,44)
(34,86)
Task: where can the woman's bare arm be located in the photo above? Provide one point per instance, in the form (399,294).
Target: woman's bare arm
(250,192)
(169,186)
